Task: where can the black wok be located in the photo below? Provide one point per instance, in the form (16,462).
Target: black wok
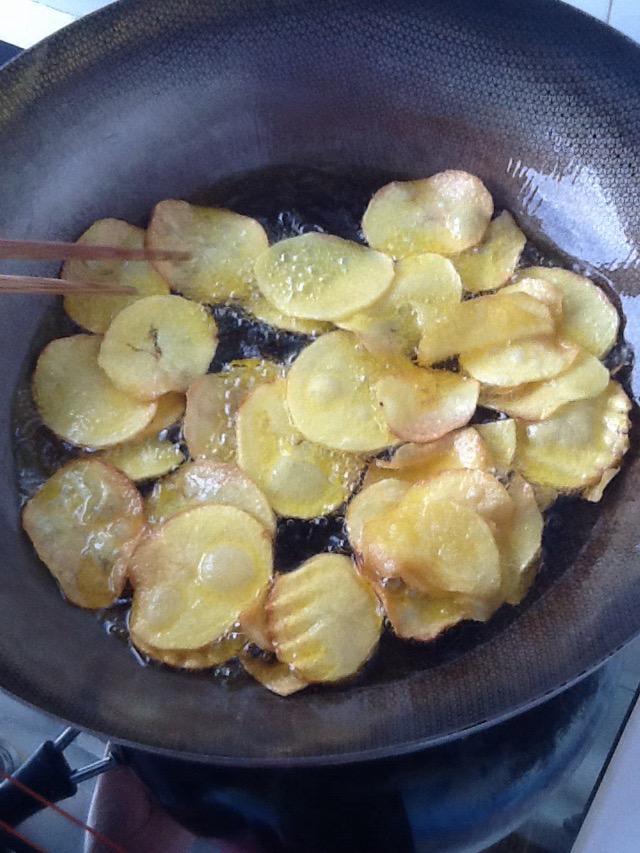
(149,100)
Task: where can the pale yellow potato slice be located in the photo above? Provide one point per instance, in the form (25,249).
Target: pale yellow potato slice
(446,214)
(212,406)
(272,674)
(322,277)
(266,312)
(145,458)
(253,624)
(170,408)
(585,377)
(224,247)
(76,399)
(85,523)
(424,286)
(434,546)
(522,542)
(301,479)
(210,655)
(207,482)
(158,344)
(528,360)
(578,443)
(500,440)
(491,264)
(93,311)
(324,619)
(541,290)
(195,574)
(486,321)
(423,405)
(331,395)
(414,462)
(371,502)
(589,317)
(595,493)
(545,496)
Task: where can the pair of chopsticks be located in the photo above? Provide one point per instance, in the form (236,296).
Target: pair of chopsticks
(35,250)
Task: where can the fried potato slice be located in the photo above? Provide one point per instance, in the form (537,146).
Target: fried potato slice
(500,440)
(76,399)
(585,377)
(272,673)
(301,479)
(224,247)
(324,619)
(434,546)
(595,493)
(253,624)
(144,458)
(423,405)
(541,290)
(266,312)
(85,523)
(94,311)
(207,482)
(371,502)
(446,214)
(212,406)
(170,408)
(424,286)
(212,654)
(486,321)
(578,443)
(322,277)
(158,344)
(331,396)
(589,317)
(528,360)
(545,496)
(411,463)
(522,542)
(195,574)
(491,264)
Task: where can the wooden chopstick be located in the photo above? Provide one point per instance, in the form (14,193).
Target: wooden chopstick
(38,250)
(55,286)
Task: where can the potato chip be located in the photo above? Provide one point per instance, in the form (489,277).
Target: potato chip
(491,264)
(486,321)
(158,344)
(423,405)
(522,542)
(85,523)
(170,408)
(212,406)
(541,290)
(595,493)
(253,624)
(224,247)
(195,574)
(331,396)
(424,286)
(207,482)
(527,360)
(584,378)
(266,312)
(300,478)
(144,459)
(589,318)
(322,277)
(371,502)
(272,673)
(76,399)
(545,496)
(95,311)
(212,654)
(324,619)
(500,440)
(573,448)
(446,214)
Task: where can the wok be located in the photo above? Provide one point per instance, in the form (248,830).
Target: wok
(150,100)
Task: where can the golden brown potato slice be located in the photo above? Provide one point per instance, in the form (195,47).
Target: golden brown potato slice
(322,277)
(500,440)
(331,395)
(266,312)
(371,502)
(520,362)
(423,405)
(85,523)
(212,406)
(145,458)
(578,443)
(486,321)
(76,399)
(585,377)
(94,311)
(208,482)
(424,286)
(300,478)
(195,574)
(272,673)
(434,546)
(212,654)
(170,408)
(324,619)
(158,344)
(491,264)
(541,290)
(224,247)
(414,462)
(446,214)
(589,317)
(522,542)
